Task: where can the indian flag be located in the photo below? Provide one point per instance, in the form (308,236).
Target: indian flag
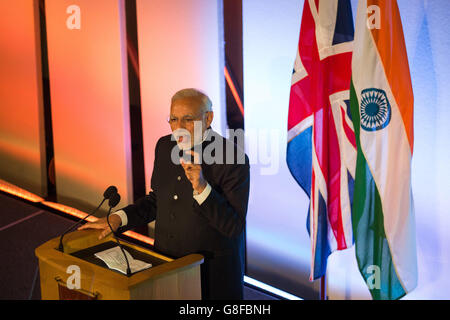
(382,113)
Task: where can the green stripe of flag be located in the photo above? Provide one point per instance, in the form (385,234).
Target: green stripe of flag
(372,249)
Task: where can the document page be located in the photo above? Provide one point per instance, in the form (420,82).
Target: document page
(114,259)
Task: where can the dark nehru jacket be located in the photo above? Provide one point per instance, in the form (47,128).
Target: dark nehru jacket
(215,228)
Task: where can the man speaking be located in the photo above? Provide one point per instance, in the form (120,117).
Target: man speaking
(200,186)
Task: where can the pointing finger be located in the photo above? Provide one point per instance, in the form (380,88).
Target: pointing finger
(195,155)
(184,163)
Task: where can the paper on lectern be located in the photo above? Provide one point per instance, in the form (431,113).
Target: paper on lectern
(114,259)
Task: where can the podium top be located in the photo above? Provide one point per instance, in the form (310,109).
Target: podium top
(91,272)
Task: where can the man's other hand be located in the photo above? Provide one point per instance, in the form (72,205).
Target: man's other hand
(102,224)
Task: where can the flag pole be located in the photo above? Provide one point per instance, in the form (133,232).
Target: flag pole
(323,287)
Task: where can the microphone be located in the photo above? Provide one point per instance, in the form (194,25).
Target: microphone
(109,192)
(114,201)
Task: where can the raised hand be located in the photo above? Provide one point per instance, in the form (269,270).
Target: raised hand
(193,172)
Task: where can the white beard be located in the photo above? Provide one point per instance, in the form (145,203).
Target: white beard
(186,142)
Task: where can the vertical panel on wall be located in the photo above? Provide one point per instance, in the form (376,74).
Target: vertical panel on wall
(22,142)
(232,14)
(278,246)
(89,97)
(180,46)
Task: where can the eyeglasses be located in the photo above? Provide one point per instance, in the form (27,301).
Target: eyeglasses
(186,120)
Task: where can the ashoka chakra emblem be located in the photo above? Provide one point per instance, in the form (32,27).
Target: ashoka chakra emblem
(375,109)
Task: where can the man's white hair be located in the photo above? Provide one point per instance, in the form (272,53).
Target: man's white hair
(193,93)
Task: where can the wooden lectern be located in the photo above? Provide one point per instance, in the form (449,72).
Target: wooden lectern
(166,279)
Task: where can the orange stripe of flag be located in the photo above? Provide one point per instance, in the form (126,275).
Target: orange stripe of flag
(391,47)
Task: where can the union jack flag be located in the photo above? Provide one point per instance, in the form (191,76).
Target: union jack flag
(321,150)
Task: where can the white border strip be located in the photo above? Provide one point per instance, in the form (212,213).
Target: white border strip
(270,289)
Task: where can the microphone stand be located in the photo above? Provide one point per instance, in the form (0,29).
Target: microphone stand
(61,247)
(117,240)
